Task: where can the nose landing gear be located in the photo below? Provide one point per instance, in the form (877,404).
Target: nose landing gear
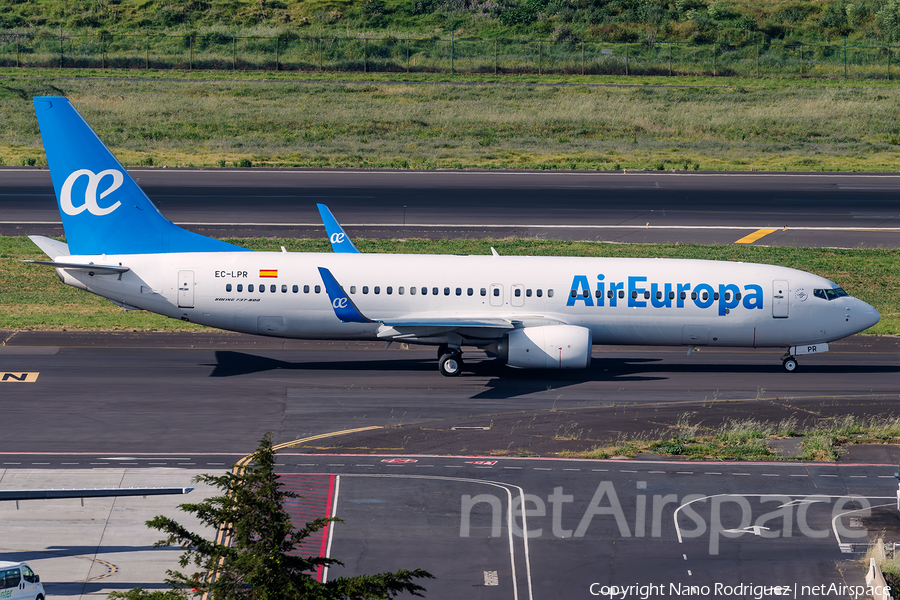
(789,363)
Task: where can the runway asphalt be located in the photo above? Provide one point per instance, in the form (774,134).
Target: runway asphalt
(197,402)
(801,209)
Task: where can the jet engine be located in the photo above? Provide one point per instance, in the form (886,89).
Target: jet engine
(547,347)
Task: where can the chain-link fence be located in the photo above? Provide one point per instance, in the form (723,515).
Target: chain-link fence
(291,53)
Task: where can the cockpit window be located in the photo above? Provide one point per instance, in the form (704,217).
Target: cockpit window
(830,294)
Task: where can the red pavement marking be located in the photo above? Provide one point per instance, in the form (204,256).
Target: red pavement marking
(317,493)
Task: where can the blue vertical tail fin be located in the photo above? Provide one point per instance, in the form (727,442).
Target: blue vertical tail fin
(102,208)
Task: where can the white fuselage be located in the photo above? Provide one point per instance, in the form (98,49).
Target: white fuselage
(621,300)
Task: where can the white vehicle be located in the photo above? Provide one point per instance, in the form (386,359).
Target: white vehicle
(19,582)
(533,312)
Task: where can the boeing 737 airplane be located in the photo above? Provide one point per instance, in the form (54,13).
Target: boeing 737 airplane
(532,312)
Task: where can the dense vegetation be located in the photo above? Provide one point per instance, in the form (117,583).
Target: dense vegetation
(867,21)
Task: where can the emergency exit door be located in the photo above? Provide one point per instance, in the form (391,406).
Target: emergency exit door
(185,289)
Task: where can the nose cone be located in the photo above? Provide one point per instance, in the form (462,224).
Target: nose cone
(866,316)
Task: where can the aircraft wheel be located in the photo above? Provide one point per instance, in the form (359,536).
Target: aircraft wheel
(450,364)
(442,350)
(789,364)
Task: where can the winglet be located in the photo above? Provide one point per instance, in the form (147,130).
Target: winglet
(343,306)
(340,241)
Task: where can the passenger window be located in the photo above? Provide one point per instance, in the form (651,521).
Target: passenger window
(693,295)
(318,289)
(400,290)
(412,291)
(573,293)
(424,291)
(305,289)
(586,294)
(737,296)
(646,295)
(365,289)
(470,291)
(295,289)
(227,287)
(262,288)
(528,293)
(389,290)
(284,289)
(11,578)
(609,294)
(715,296)
(496,292)
(633,295)
(621,293)
(540,292)
(705,296)
(377,289)
(250,288)
(659,295)
(29,575)
(671,295)
(549,293)
(459,291)
(434,291)
(727,296)
(683,295)
(518,293)
(240,287)
(446,291)
(352,289)
(483,292)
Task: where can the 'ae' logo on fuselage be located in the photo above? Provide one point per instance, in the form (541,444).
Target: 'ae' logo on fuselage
(90,192)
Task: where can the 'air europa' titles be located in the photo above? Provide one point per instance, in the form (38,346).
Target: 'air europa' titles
(639,294)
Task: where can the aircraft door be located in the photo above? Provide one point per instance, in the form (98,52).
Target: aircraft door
(517,297)
(496,294)
(781,294)
(185,289)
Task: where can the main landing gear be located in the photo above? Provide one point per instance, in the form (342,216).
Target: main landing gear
(789,362)
(450,362)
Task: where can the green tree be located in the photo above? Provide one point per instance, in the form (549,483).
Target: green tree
(251,557)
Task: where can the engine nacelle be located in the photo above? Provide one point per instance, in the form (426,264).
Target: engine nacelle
(547,347)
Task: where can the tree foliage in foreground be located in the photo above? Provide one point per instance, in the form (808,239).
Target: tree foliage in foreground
(257,564)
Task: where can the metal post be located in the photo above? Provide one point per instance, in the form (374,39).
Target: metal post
(715,55)
(845,57)
(888,53)
(495,57)
(102,56)
(801,60)
(626,58)
(670,59)
(60,49)
(451,53)
(147,55)
(540,57)
(407,55)
(17,55)
(191,40)
(321,53)
(276,53)
(233,55)
(757,61)
(582,57)
(366,55)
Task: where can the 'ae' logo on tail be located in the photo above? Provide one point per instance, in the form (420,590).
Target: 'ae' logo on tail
(90,193)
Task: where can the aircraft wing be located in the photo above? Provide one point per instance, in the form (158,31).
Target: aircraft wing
(408,325)
(340,241)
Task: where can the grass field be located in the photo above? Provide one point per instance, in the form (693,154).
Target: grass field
(740,126)
(31,297)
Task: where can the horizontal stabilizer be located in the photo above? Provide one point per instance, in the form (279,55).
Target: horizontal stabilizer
(50,247)
(101,269)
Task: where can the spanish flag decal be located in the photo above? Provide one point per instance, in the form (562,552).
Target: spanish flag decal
(268,273)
